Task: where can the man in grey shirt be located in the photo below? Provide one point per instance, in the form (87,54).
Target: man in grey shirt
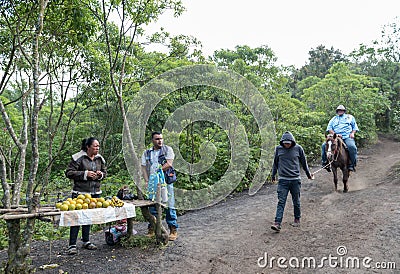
(160,156)
(287,160)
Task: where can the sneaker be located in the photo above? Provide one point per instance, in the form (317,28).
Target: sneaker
(150,228)
(351,168)
(296,223)
(276,226)
(72,250)
(89,246)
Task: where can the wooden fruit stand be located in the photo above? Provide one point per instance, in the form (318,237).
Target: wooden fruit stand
(80,217)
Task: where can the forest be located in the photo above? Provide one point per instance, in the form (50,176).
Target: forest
(70,70)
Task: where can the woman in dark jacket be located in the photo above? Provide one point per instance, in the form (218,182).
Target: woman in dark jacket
(86,169)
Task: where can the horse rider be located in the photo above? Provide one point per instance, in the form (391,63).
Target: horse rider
(345,126)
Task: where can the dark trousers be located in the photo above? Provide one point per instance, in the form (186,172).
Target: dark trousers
(74,230)
(284,187)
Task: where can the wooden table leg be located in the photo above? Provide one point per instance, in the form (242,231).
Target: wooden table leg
(130,227)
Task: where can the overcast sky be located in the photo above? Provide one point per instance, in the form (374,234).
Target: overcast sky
(289,27)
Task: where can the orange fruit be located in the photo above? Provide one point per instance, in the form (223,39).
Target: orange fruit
(79,201)
(85,206)
(71,207)
(101,199)
(78,207)
(81,196)
(58,205)
(92,205)
(64,207)
(106,204)
(66,203)
(99,204)
(87,200)
(87,195)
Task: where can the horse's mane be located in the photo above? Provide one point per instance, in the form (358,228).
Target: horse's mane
(330,137)
(340,141)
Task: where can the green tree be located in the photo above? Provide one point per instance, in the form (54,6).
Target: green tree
(381,60)
(258,64)
(320,61)
(122,52)
(359,93)
(40,64)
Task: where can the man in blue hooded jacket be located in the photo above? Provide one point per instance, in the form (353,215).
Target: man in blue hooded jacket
(287,160)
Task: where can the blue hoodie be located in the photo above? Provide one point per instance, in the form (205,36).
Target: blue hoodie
(287,160)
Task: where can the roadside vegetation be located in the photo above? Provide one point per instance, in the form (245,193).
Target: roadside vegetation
(69,72)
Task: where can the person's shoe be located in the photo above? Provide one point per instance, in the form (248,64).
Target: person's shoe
(276,226)
(89,246)
(296,223)
(351,168)
(72,250)
(150,232)
(173,233)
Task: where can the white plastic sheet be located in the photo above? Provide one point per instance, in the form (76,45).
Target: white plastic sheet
(97,215)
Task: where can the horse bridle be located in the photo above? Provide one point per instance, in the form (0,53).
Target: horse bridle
(336,151)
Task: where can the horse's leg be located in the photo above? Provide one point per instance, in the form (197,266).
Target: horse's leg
(335,178)
(345,172)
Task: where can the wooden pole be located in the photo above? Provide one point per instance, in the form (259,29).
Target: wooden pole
(159,214)
(9,216)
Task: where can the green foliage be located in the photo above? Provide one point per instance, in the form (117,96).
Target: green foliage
(45,231)
(320,60)
(140,241)
(256,64)
(98,58)
(112,183)
(381,60)
(356,92)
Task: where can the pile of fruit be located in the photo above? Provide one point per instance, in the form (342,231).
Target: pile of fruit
(85,201)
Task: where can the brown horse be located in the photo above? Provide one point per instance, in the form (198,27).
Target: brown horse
(338,157)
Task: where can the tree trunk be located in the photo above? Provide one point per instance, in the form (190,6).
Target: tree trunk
(16,259)
(6,199)
(19,246)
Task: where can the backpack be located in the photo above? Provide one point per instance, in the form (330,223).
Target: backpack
(114,233)
(170,173)
(124,193)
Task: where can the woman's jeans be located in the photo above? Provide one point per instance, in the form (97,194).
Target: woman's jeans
(74,230)
(284,187)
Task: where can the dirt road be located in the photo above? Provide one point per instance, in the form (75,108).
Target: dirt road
(338,231)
